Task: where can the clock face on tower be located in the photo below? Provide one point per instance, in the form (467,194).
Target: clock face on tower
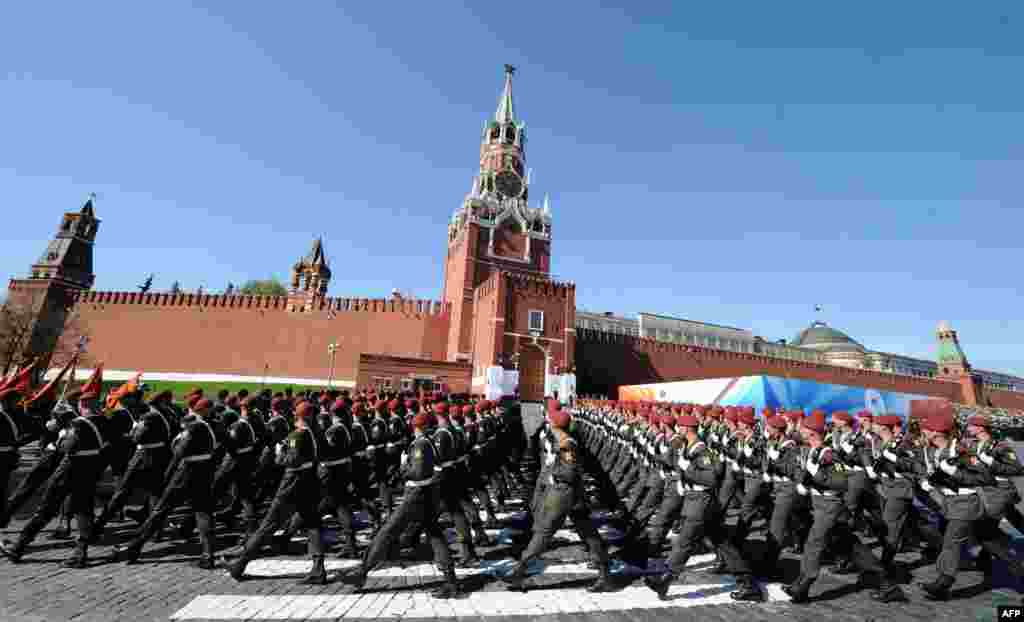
(509,184)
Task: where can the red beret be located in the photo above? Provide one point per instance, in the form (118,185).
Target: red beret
(731,415)
(381,406)
(979,420)
(668,420)
(938,423)
(888,420)
(420,421)
(746,418)
(865,415)
(686,420)
(325,399)
(202,405)
(393,405)
(687,408)
(559,419)
(794,415)
(441,408)
(482,406)
(467,409)
(410,404)
(358,408)
(816,422)
(842,416)
(677,409)
(193,400)
(777,422)
(698,411)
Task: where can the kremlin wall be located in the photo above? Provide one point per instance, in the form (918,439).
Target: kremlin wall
(502,326)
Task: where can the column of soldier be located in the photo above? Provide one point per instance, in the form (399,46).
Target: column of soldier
(817,481)
(307,458)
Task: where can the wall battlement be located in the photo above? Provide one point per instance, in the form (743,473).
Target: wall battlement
(338,305)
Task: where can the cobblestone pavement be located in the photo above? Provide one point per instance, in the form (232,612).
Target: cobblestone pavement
(166,586)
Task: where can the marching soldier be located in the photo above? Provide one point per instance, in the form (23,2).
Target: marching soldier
(299,491)
(243,446)
(564,498)
(76,477)
(826,480)
(420,504)
(336,475)
(190,479)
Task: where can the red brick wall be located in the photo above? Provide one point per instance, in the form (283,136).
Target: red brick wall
(1005,399)
(373,366)
(556,300)
(239,334)
(606,362)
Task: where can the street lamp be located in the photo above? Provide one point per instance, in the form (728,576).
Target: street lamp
(333,350)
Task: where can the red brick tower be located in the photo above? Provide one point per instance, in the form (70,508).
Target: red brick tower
(64,269)
(494,228)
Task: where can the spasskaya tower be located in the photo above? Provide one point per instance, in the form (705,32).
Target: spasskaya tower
(494,229)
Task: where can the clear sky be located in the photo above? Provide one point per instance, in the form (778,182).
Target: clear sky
(735,163)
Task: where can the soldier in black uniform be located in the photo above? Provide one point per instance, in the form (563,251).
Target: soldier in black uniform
(336,474)
(826,481)
(462,478)
(700,475)
(10,437)
(81,445)
(448,453)
(190,479)
(1001,497)
(243,446)
(299,489)
(476,448)
(362,464)
(420,504)
(750,460)
(123,409)
(377,456)
(151,436)
(564,498)
(277,428)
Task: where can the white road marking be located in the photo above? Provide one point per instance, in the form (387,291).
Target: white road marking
(478,604)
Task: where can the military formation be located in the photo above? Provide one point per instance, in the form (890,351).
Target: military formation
(272,466)
(822,483)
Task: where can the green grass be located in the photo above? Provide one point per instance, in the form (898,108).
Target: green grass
(210,389)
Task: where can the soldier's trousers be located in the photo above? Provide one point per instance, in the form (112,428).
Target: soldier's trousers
(74,477)
(451,498)
(750,504)
(422,506)
(562,501)
(8,464)
(192,483)
(334,486)
(731,484)
(119,454)
(666,516)
(236,473)
(784,518)
(362,488)
(831,529)
(298,492)
(145,471)
(651,501)
(703,518)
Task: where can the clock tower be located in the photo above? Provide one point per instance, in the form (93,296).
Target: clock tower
(495,228)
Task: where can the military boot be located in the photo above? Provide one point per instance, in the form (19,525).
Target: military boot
(480,537)
(516,580)
(236,569)
(450,589)
(800,590)
(128,554)
(939,588)
(660,584)
(12,551)
(748,590)
(318,574)
(888,592)
(349,550)
(604,580)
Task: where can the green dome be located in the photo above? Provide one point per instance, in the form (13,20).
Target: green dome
(821,336)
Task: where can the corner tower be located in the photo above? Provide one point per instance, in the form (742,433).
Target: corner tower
(953,365)
(494,229)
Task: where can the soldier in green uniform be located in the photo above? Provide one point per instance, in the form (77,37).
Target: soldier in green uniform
(997,499)
(826,480)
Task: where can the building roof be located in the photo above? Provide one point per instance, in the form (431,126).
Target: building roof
(680,319)
(821,336)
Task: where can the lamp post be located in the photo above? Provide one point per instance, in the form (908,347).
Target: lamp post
(333,350)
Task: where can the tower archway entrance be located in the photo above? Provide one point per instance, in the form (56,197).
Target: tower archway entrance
(532,371)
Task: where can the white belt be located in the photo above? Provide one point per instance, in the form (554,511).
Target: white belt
(390,445)
(1002,479)
(449,464)
(360,454)
(857,468)
(152,445)
(87,452)
(128,436)
(478,446)
(823,493)
(336,462)
(198,458)
(748,471)
(893,475)
(463,459)
(959,492)
(422,482)
(438,469)
(302,467)
(371,447)
(243,450)
(780,478)
(682,488)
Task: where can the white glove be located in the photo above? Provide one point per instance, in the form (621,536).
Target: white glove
(550,459)
(405,457)
(847,447)
(813,467)
(871,473)
(774,454)
(801,489)
(927,487)
(684,464)
(766,478)
(51,447)
(748,451)
(279,450)
(947,468)
(714,438)
(679,487)
(986,458)
(765,434)
(891,457)
(735,466)
(62,434)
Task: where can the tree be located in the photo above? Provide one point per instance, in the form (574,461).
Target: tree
(268,287)
(16,321)
(33,326)
(176,288)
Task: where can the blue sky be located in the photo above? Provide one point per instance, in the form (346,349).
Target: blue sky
(735,163)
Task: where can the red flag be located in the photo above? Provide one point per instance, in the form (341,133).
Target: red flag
(49,392)
(22,380)
(92,388)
